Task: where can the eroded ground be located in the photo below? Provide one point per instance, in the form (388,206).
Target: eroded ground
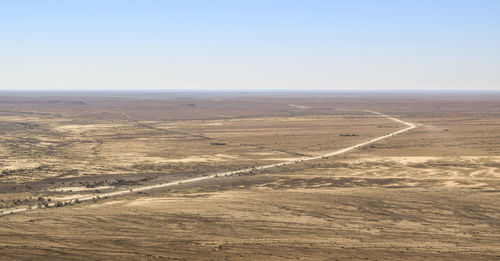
(430,193)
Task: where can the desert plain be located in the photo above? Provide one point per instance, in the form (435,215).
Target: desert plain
(432,192)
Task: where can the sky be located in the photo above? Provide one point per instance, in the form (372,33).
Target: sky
(250,45)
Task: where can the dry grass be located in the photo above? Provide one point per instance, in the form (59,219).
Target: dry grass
(431,193)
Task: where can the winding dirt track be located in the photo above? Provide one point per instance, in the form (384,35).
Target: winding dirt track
(230,173)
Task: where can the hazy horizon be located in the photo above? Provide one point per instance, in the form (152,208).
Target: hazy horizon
(250,45)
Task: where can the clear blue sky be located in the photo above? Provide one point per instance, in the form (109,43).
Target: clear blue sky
(309,44)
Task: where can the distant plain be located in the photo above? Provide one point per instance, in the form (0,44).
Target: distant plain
(430,193)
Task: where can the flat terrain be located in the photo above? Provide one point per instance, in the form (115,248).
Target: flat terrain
(430,193)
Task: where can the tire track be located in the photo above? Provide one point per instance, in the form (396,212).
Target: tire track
(409,125)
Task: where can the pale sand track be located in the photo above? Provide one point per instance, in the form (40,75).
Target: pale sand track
(230,173)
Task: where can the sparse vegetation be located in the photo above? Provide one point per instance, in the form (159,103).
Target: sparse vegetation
(436,186)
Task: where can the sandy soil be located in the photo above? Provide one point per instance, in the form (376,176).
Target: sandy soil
(431,193)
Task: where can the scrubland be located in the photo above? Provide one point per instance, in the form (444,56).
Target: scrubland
(430,193)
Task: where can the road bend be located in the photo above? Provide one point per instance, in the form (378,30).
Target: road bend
(409,126)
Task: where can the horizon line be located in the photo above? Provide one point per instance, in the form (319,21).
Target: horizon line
(256,90)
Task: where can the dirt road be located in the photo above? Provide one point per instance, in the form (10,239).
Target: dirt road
(224,174)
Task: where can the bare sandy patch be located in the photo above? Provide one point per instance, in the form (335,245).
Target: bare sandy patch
(19,164)
(77,189)
(299,106)
(206,158)
(142,202)
(213,124)
(282,159)
(401,160)
(112,202)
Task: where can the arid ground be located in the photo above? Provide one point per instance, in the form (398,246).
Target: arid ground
(432,192)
